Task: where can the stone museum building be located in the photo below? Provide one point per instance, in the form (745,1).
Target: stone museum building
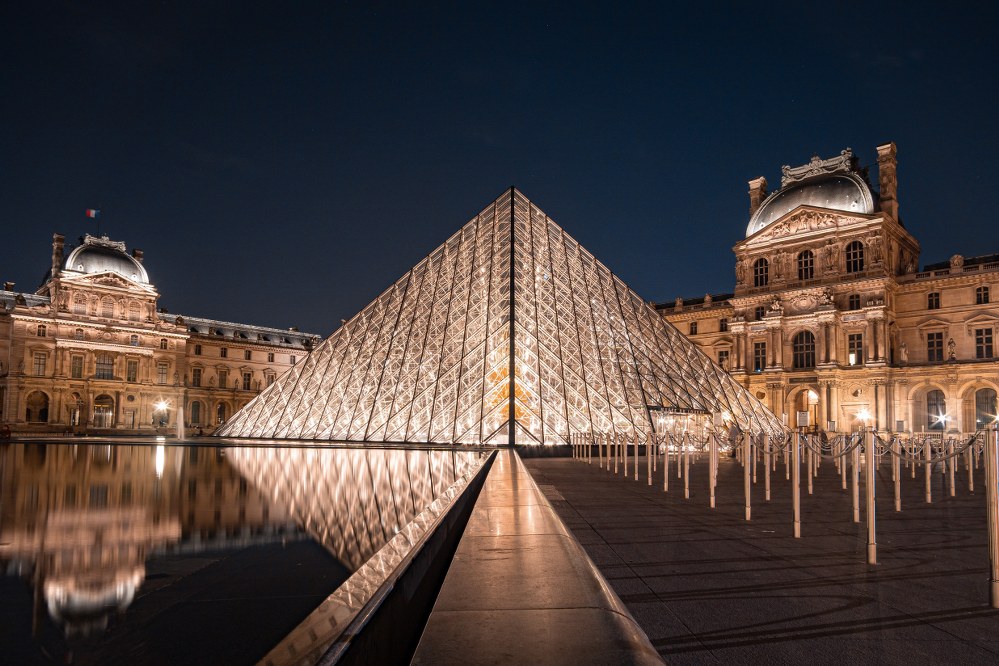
(90,351)
(831,315)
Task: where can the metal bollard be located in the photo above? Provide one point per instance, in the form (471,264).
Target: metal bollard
(712,468)
(929,471)
(796,484)
(635,436)
(872,543)
(766,466)
(746,456)
(855,479)
(992,505)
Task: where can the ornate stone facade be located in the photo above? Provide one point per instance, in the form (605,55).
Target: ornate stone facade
(829,315)
(91,352)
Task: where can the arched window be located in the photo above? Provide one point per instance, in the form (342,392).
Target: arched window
(36,407)
(761,273)
(103,411)
(41,331)
(195,413)
(855,257)
(133,340)
(806,265)
(220,413)
(107,307)
(80,304)
(163,343)
(936,410)
(134,312)
(78,334)
(803,347)
(985,408)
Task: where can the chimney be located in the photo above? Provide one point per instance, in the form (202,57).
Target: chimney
(57,244)
(757,193)
(888,180)
(137,254)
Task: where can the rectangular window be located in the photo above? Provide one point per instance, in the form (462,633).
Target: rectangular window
(270,379)
(723,325)
(292,359)
(163,343)
(759,356)
(270,357)
(723,359)
(196,377)
(855,348)
(247,380)
(161,373)
(247,355)
(933,300)
(223,352)
(223,378)
(693,328)
(197,350)
(934,347)
(759,312)
(983,343)
(41,330)
(105,366)
(853,302)
(132,371)
(76,367)
(39,369)
(981,298)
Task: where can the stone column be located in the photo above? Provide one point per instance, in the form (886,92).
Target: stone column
(757,193)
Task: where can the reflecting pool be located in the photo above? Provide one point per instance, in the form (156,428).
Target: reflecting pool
(191,554)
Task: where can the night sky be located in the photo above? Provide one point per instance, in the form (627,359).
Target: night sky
(282,163)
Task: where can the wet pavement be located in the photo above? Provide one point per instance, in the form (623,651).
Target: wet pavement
(709,587)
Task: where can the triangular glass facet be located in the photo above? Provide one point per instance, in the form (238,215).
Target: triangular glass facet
(508,333)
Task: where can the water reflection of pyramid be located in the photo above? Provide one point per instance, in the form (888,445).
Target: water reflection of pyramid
(509,332)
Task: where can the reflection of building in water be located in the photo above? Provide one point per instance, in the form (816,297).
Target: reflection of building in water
(352,500)
(80,521)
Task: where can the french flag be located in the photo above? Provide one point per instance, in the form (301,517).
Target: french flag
(93,213)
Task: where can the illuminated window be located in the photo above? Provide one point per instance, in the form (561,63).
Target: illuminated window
(934,347)
(132,371)
(105,366)
(985,407)
(855,257)
(759,356)
(806,265)
(983,343)
(855,348)
(853,302)
(41,331)
(981,296)
(761,273)
(803,348)
(39,359)
(196,377)
(933,300)
(693,328)
(936,410)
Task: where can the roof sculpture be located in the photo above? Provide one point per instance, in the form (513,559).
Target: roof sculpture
(508,333)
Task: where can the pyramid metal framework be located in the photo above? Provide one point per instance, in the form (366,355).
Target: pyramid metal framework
(508,333)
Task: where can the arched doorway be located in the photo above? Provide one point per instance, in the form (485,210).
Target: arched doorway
(936,410)
(220,413)
(104,411)
(806,400)
(36,408)
(75,409)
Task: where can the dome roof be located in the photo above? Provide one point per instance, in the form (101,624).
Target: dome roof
(101,255)
(842,191)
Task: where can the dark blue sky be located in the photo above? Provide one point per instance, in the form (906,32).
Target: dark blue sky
(282,163)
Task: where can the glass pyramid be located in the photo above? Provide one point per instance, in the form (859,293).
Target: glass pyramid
(508,333)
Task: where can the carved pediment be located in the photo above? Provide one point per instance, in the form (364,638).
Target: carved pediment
(802,220)
(108,279)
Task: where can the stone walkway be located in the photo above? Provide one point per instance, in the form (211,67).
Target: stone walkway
(709,587)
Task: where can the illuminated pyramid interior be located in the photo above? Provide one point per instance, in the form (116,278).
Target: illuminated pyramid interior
(508,333)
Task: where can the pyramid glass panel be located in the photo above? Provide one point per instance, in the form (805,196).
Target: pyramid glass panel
(508,333)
